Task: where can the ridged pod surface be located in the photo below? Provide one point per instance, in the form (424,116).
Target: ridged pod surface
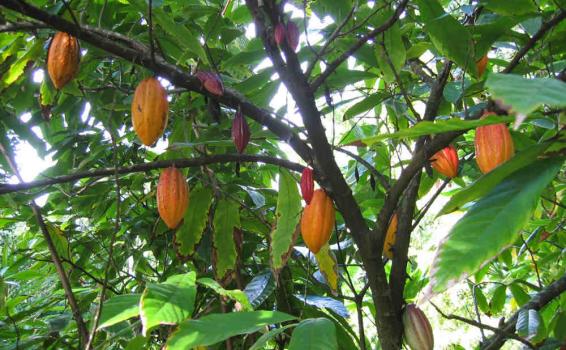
(307,185)
(292,34)
(390,237)
(417,330)
(63,59)
(279,33)
(494,146)
(481,64)
(211,82)
(240,132)
(149,110)
(317,221)
(172,196)
(446,161)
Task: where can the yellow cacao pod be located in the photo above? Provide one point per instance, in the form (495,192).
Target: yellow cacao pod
(317,221)
(494,146)
(63,59)
(172,196)
(390,237)
(149,110)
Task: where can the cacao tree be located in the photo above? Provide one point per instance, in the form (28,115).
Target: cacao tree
(271,174)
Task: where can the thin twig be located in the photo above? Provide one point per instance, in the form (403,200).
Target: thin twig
(382,178)
(150,25)
(533,260)
(427,206)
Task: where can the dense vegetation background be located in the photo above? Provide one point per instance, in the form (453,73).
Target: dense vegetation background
(371,93)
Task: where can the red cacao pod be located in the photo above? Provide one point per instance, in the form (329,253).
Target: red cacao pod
(494,146)
(481,64)
(63,59)
(307,185)
(211,82)
(417,330)
(279,33)
(317,221)
(292,34)
(445,161)
(149,110)
(240,132)
(390,237)
(172,196)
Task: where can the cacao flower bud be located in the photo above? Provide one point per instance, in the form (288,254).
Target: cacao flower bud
(240,132)
(307,185)
(149,110)
(417,330)
(279,33)
(211,82)
(172,196)
(317,221)
(292,34)
(390,237)
(494,145)
(481,64)
(445,161)
(63,59)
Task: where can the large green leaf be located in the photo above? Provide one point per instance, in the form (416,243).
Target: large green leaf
(260,288)
(194,223)
(119,308)
(170,302)
(234,294)
(510,8)
(530,325)
(492,224)
(314,334)
(214,328)
(328,267)
(226,218)
(365,105)
(287,217)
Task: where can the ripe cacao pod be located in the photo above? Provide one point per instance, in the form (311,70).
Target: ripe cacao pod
(445,161)
(63,59)
(172,196)
(292,34)
(481,64)
(211,82)
(390,237)
(279,33)
(149,110)
(494,146)
(307,185)
(417,330)
(240,132)
(317,221)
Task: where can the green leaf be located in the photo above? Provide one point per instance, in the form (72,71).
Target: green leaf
(234,294)
(530,325)
(226,218)
(260,288)
(328,267)
(488,181)
(314,334)
(520,296)
(170,302)
(59,240)
(287,217)
(17,68)
(491,224)
(364,105)
(510,8)
(196,216)
(392,52)
(262,341)
(437,127)
(214,328)
(498,299)
(119,308)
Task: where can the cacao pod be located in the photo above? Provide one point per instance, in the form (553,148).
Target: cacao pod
(481,64)
(445,161)
(417,330)
(149,110)
(172,196)
(279,33)
(317,221)
(211,82)
(307,185)
(240,132)
(292,34)
(494,146)
(390,237)
(63,59)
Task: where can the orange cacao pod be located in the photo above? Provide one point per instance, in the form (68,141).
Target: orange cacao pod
(417,330)
(63,59)
(317,221)
(390,237)
(307,185)
(445,161)
(240,132)
(172,196)
(149,110)
(481,64)
(494,146)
